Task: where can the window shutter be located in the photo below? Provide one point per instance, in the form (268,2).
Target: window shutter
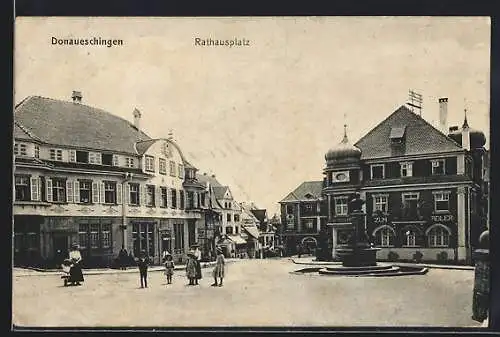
(115,160)
(48,191)
(72,156)
(76,191)
(69,191)
(127,193)
(158,201)
(95,193)
(102,198)
(169,201)
(142,194)
(35,195)
(118,193)
(98,159)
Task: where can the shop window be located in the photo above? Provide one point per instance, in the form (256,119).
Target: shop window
(83,239)
(384,237)
(179,238)
(94,236)
(106,235)
(22,186)
(143,238)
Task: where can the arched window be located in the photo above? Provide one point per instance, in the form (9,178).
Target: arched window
(438,236)
(384,236)
(410,238)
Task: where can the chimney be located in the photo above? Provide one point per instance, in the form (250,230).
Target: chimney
(443,113)
(76,96)
(137,119)
(465,133)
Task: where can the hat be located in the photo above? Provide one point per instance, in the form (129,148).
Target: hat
(195,245)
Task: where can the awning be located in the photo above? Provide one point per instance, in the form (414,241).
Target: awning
(237,239)
(252,230)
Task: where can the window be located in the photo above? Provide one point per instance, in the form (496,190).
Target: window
(111,194)
(116,160)
(406,169)
(20,149)
(438,166)
(384,237)
(150,163)
(94,236)
(83,236)
(150,196)
(82,157)
(289,209)
(377,171)
(236,217)
(438,236)
(37,151)
(179,238)
(341,206)
(174,198)
(236,230)
(106,235)
(164,197)
(228,217)
(172,168)
(134,194)
(85,192)
(309,224)
(55,154)
(22,188)
(410,201)
(143,238)
(441,201)
(107,159)
(229,230)
(162,166)
(181,171)
(95,158)
(308,208)
(58,190)
(380,203)
(129,162)
(410,238)
(190,199)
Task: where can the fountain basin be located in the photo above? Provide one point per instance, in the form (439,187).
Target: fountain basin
(364,271)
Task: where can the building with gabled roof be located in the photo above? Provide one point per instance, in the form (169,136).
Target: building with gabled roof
(423,190)
(83,175)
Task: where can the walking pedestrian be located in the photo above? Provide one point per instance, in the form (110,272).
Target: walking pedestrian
(169,267)
(122,258)
(197,256)
(76,275)
(219,268)
(143,263)
(191,267)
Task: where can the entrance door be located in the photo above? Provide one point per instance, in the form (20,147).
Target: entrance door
(61,248)
(166,242)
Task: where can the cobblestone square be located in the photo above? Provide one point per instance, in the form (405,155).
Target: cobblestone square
(255,293)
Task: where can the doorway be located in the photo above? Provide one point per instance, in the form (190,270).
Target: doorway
(61,248)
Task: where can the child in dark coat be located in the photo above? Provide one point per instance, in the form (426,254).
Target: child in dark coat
(143,263)
(169,267)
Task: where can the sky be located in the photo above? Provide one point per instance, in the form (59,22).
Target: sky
(260,117)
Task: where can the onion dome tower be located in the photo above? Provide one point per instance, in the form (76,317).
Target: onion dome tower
(343,162)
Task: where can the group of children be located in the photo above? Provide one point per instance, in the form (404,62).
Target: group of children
(193,268)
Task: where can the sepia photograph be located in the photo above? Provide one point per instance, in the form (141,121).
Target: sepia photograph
(309,171)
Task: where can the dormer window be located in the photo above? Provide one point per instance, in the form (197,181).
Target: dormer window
(81,157)
(37,151)
(95,158)
(377,171)
(438,167)
(56,154)
(129,162)
(20,149)
(406,169)
(397,134)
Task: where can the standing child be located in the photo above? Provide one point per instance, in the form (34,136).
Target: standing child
(191,268)
(169,267)
(219,268)
(143,263)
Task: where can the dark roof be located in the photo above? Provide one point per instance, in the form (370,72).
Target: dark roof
(20,133)
(420,137)
(208,178)
(260,214)
(307,188)
(76,125)
(219,191)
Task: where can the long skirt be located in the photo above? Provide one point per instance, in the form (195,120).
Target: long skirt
(75,274)
(218,271)
(198,270)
